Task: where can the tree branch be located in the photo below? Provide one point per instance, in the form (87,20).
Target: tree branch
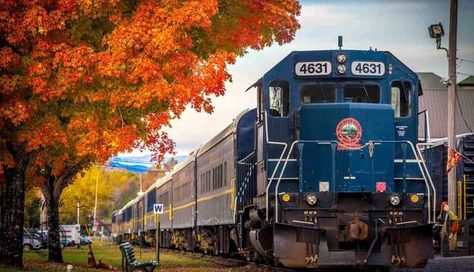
(67,175)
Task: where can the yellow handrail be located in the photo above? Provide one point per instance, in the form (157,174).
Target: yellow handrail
(464,178)
(460,199)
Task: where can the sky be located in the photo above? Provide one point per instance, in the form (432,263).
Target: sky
(398,26)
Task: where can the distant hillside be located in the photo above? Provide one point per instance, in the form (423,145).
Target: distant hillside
(178,158)
(140,164)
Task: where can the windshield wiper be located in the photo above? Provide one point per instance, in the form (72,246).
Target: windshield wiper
(365,90)
(405,91)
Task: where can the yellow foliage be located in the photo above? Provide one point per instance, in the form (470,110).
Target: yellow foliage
(115,187)
(112,187)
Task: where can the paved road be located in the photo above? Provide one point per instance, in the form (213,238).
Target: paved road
(440,264)
(451,264)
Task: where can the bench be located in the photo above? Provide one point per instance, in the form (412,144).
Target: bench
(130,263)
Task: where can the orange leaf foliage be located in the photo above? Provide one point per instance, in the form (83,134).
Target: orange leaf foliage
(81,78)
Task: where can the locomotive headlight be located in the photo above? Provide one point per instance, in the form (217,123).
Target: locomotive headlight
(436,31)
(341,69)
(414,198)
(311,199)
(394,200)
(341,58)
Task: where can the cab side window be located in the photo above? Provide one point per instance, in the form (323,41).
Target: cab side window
(279,98)
(401,98)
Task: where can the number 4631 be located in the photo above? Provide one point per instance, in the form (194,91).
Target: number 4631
(368,68)
(314,68)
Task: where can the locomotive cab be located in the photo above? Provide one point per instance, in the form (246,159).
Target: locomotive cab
(339,180)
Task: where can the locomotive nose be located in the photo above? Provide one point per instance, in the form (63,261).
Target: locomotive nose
(361,154)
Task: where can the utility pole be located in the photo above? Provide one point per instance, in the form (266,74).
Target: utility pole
(78,211)
(453,26)
(157,237)
(141,186)
(94,227)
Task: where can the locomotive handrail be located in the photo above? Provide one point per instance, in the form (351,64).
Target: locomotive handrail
(420,162)
(267,189)
(238,193)
(246,157)
(427,133)
(284,167)
(426,177)
(418,145)
(442,141)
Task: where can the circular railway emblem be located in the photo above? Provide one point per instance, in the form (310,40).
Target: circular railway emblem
(348,132)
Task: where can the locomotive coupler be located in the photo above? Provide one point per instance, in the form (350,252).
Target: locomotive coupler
(357,230)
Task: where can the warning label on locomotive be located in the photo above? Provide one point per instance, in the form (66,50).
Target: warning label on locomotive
(315,68)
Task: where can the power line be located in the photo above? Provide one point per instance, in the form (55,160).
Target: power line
(465,60)
(464,74)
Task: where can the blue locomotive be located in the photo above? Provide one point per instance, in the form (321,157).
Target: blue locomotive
(326,171)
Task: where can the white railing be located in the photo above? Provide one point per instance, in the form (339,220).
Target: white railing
(284,167)
(267,189)
(428,174)
(241,191)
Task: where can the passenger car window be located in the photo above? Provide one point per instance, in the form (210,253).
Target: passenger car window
(318,93)
(279,94)
(361,93)
(401,98)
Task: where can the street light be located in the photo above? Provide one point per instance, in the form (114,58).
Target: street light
(436,31)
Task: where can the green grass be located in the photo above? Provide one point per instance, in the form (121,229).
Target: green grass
(110,254)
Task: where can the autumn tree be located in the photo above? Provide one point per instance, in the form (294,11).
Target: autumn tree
(114,188)
(83,191)
(83,80)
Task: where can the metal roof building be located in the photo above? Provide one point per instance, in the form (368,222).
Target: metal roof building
(435,99)
(467,83)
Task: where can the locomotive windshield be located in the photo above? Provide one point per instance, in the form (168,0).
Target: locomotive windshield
(361,93)
(326,92)
(318,93)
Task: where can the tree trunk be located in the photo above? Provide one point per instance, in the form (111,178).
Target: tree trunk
(12,214)
(54,233)
(52,190)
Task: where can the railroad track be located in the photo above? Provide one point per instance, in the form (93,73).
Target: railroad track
(436,265)
(246,266)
